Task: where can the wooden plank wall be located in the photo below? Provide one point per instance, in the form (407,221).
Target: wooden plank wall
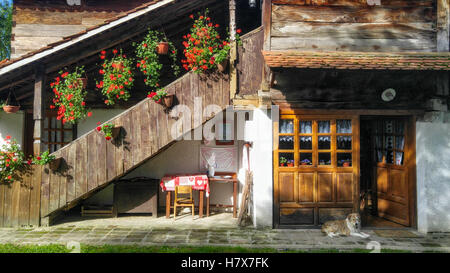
(250,62)
(91,162)
(19,201)
(353,25)
(36,28)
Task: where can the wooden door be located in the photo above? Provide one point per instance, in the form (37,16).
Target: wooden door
(391,169)
(316,166)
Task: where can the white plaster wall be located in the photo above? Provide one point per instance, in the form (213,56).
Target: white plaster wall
(262,166)
(11,125)
(182,157)
(101,115)
(433,174)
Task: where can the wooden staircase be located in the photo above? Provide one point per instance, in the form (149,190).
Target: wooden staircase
(91,163)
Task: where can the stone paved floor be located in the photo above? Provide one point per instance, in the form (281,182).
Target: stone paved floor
(184,232)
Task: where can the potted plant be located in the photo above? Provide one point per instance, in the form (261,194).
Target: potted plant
(69,90)
(9,108)
(117,77)
(222,57)
(108,130)
(305,162)
(168,100)
(162,48)
(148,51)
(201,45)
(161,97)
(11,160)
(283,161)
(47,158)
(290,163)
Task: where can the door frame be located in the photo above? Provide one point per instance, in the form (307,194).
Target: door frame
(411,117)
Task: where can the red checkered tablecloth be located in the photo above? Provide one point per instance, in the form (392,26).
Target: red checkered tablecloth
(197,181)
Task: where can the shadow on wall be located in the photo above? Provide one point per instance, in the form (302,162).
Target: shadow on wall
(433,175)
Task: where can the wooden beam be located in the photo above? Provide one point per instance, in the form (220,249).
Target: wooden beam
(443,29)
(38,110)
(267,26)
(233,49)
(12,84)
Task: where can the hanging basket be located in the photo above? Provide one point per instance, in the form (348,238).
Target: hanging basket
(168,100)
(162,48)
(10,109)
(118,66)
(55,164)
(223,65)
(83,82)
(115,132)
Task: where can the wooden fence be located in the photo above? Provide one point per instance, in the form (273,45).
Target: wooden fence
(19,201)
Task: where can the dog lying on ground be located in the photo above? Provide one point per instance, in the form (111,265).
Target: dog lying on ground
(349,227)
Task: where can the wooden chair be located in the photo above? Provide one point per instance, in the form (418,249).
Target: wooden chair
(181,199)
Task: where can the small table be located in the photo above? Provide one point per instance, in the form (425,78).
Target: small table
(196,181)
(219,177)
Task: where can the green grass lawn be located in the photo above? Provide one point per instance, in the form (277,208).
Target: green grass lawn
(11,248)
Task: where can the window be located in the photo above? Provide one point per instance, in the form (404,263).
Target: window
(390,141)
(57,135)
(304,142)
(224,133)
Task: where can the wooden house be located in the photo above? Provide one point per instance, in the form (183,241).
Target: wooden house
(347,103)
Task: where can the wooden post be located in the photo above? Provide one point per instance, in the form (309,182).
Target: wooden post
(233,49)
(443,45)
(38,110)
(443,25)
(38,147)
(267,25)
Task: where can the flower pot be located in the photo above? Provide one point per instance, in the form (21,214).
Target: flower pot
(304,163)
(10,109)
(118,66)
(223,65)
(83,82)
(162,48)
(346,164)
(290,164)
(54,164)
(282,164)
(115,132)
(168,100)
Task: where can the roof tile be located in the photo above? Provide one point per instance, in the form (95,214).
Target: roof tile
(359,60)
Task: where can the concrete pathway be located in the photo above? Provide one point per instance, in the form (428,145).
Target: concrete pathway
(173,233)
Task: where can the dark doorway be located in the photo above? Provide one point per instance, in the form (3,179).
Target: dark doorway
(385,186)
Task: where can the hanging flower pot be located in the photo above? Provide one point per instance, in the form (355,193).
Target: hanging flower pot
(10,109)
(55,164)
(83,83)
(162,48)
(168,100)
(222,66)
(115,132)
(118,66)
